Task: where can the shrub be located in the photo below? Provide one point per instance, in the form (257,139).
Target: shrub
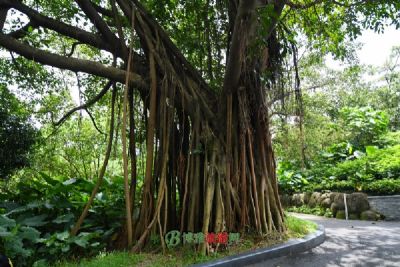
(376,165)
(17,135)
(351,168)
(364,124)
(36,217)
(290,180)
(337,152)
(383,187)
(385,162)
(378,187)
(337,186)
(389,139)
(341,167)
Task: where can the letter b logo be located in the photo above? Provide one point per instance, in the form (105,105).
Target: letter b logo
(173,238)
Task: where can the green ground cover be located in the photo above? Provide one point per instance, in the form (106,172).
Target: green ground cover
(187,255)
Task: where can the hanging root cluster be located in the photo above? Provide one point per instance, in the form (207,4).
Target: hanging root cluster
(203,172)
(202,175)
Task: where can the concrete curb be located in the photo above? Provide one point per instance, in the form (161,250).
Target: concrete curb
(293,246)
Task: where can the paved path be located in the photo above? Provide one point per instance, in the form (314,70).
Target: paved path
(348,243)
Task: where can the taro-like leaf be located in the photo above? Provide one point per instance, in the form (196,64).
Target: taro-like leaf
(18,210)
(4,232)
(6,222)
(64,218)
(63,236)
(66,248)
(29,233)
(40,263)
(48,179)
(69,181)
(35,220)
(81,241)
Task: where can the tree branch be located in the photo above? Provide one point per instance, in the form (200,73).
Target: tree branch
(102,26)
(293,5)
(178,57)
(93,121)
(303,5)
(62,28)
(173,61)
(3,16)
(287,94)
(88,104)
(104,11)
(21,33)
(73,64)
(117,19)
(74,45)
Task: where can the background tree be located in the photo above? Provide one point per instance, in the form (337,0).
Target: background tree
(17,135)
(349,130)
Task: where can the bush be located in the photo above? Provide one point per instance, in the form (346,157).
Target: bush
(389,139)
(290,180)
(383,187)
(385,163)
(364,124)
(378,187)
(350,169)
(336,186)
(37,214)
(354,175)
(342,168)
(17,135)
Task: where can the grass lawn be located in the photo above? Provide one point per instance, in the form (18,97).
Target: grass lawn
(187,255)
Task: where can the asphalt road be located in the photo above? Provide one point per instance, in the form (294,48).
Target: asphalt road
(348,243)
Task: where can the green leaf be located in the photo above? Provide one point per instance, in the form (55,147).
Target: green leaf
(70,181)
(95,244)
(40,263)
(371,150)
(16,248)
(64,218)
(62,236)
(4,232)
(85,185)
(48,179)
(18,210)
(35,220)
(7,222)
(66,248)
(327,155)
(81,241)
(29,233)
(358,154)
(35,204)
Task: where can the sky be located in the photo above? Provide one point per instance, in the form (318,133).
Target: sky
(376,47)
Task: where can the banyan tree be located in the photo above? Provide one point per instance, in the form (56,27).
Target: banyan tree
(200,73)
